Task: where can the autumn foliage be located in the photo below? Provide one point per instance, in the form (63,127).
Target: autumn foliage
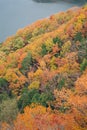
(44,68)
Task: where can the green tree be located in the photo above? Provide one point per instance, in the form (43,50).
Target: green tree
(44,50)
(36,98)
(45,98)
(82,50)
(17,43)
(26,98)
(4,86)
(58,41)
(3,96)
(83,65)
(3,82)
(61,83)
(26,63)
(78,36)
(8,110)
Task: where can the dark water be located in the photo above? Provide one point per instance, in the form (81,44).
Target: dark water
(15,14)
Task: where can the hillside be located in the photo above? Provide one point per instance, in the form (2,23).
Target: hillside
(43,74)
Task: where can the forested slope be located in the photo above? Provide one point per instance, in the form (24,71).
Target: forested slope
(43,74)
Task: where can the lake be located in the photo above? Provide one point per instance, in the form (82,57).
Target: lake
(16,14)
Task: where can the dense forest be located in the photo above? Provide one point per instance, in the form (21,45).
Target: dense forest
(43,74)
